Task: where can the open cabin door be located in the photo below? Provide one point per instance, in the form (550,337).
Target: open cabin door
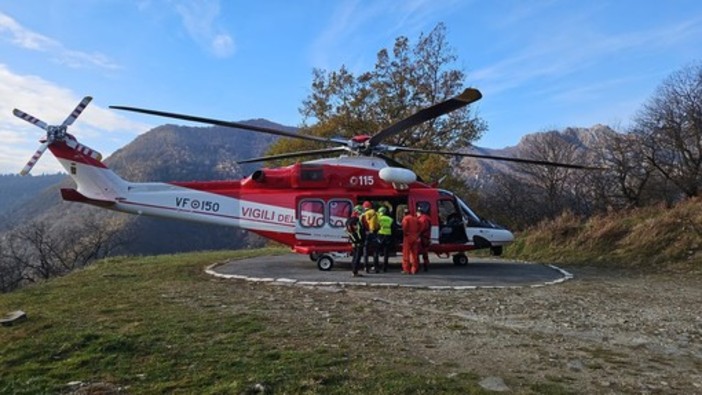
(322,220)
(452,228)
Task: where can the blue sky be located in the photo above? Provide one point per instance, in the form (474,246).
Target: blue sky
(540,64)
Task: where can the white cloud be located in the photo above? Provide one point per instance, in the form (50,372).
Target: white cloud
(52,104)
(27,39)
(200,21)
(22,37)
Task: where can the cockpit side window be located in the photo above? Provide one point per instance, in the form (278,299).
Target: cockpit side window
(448,213)
(471,218)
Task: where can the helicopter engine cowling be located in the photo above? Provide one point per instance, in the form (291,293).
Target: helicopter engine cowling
(397,175)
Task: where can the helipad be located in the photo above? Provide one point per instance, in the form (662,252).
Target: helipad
(443,274)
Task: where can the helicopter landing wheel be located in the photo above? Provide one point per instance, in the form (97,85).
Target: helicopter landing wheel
(314,256)
(460,259)
(325,262)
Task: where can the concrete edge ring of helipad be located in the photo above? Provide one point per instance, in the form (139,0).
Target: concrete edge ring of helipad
(305,283)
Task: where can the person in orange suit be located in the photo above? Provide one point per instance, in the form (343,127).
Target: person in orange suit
(410,243)
(424,235)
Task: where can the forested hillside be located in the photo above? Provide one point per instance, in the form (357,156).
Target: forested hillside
(15,190)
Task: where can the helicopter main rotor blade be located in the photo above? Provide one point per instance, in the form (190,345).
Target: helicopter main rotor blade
(468,96)
(228,124)
(493,157)
(294,154)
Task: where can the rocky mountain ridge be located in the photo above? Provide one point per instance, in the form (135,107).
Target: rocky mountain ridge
(479,173)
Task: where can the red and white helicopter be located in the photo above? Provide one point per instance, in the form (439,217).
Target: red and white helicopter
(304,205)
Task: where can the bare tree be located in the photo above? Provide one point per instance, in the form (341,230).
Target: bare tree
(670,128)
(555,186)
(511,201)
(37,251)
(11,272)
(628,174)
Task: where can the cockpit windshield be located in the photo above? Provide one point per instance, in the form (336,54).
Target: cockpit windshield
(467,212)
(468,215)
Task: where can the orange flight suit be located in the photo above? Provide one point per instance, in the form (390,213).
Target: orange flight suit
(410,244)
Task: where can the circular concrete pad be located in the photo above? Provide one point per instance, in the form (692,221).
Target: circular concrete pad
(442,274)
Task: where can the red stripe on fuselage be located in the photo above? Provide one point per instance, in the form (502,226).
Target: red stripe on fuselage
(283,238)
(63,151)
(225,188)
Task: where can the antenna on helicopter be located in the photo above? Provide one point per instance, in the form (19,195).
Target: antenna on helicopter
(53,132)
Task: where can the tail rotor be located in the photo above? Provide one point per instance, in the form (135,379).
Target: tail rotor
(77,111)
(34,121)
(53,132)
(34,158)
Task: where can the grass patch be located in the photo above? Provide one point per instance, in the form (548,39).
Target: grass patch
(608,356)
(551,388)
(146,325)
(650,239)
(136,322)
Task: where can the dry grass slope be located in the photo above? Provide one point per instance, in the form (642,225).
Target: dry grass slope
(650,238)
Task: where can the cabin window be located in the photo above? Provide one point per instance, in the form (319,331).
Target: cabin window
(339,211)
(311,213)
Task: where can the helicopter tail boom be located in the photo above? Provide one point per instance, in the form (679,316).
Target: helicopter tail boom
(95,182)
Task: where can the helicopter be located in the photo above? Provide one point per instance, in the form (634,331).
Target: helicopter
(303,205)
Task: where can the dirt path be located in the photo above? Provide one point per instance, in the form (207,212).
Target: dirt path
(603,332)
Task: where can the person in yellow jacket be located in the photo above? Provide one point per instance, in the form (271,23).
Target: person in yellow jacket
(384,237)
(354,230)
(370,225)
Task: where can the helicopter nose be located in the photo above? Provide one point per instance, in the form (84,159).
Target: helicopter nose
(503,237)
(509,236)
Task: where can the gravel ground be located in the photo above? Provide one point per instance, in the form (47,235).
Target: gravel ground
(605,331)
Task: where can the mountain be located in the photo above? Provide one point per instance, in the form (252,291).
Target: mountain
(15,190)
(165,153)
(182,153)
(479,173)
